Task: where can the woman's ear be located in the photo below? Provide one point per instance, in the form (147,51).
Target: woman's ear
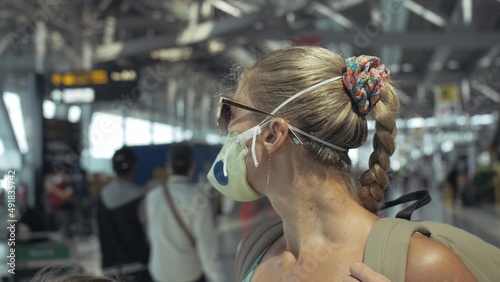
(276,135)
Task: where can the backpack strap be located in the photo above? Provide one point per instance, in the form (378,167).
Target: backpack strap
(386,249)
(252,245)
(482,258)
(420,197)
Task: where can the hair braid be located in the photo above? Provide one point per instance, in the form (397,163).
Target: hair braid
(375,180)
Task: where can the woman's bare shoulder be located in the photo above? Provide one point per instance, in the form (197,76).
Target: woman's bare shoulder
(429,260)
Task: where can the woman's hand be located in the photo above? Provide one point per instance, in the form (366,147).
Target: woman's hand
(362,272)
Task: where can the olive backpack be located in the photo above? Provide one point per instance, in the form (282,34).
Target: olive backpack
(387,246)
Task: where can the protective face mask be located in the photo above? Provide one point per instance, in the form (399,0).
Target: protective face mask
(229,173)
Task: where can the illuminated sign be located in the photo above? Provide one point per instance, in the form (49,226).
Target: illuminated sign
(71,79)
(124,75)
(73,95)
(90,86)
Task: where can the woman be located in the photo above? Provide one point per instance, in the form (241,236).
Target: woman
(290,124)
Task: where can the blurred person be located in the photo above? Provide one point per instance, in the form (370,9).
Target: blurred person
(458,178)
(120,216)
(60,200)
(426,174)
(83,203)
(453,180)
(181,231)
(290,125)
(468,195)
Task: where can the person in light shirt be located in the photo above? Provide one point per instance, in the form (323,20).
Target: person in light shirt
(173,256)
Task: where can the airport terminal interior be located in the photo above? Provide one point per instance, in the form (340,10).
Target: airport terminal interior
(80,79)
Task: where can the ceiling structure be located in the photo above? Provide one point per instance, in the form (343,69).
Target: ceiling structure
(423,42)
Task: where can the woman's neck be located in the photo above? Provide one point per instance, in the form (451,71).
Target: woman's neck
(318,210)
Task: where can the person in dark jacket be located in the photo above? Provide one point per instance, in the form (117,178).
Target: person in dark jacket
(123,240)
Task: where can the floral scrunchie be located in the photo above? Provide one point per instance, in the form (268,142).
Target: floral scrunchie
(364,79)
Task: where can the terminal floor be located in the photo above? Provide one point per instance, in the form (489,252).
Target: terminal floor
(483,221)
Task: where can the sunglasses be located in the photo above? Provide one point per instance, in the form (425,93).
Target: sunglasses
(224,116)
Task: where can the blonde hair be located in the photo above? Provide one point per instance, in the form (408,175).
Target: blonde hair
(66,273)
(327,113)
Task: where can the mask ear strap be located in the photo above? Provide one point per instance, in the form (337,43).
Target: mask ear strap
(311,88)
(251,133)
(316,139)
(253,146)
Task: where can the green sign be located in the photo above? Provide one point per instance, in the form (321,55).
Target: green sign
(44,251)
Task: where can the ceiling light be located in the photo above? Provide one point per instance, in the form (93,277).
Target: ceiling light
(172,54)
(447,146)
(73,95)
(467,11)
(417,122)
(334,16)
(486,90)
(485,119)
(425,13)
(273,45)
(108,52)
(49,109)
(195,33)
(227,8)
(74,113)
(215,46)
(428,149)
(13,105)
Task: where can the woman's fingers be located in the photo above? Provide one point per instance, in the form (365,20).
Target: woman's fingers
(364,273)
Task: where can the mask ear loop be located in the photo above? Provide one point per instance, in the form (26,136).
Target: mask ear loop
(256,163)
(251,133)
(303,92)
(256,132)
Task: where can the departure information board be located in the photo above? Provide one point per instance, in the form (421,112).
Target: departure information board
(93,85)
